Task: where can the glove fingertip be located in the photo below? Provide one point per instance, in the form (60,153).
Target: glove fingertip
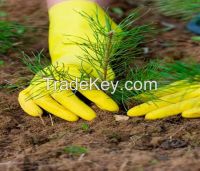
(155,115)
(186,115)
(71,118)
(129,113)
(28,105)
(101,99)
(149,117)
(135,112)
(91,116)
(193,113)
(111,106)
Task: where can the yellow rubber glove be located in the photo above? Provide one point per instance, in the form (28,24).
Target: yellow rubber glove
(178,98)
(65,19)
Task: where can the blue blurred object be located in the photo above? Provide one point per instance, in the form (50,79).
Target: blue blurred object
(194,25)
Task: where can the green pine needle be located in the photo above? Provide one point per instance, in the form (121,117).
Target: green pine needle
(10,33)
(184,9)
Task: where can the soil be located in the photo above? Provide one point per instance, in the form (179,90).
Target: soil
(136,144)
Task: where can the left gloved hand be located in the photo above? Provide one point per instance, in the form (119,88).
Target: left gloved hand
(178,98)
(65,21)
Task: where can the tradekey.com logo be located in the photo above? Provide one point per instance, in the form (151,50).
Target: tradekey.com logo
(97,84)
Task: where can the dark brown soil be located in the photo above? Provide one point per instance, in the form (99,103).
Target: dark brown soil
(26,144)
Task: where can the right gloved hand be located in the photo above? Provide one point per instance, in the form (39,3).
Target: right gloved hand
(180,97)
(65,20)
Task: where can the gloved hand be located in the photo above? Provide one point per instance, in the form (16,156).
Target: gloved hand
(178,98)
(65,19)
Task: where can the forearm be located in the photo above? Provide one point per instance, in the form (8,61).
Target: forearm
(103,3)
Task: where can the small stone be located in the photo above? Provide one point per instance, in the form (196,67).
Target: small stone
(121,118)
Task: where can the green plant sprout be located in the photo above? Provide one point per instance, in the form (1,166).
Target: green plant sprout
(10,33)
(85,127)
(37,63)
(1,63)
(184,9)
(195,38)
(75,150)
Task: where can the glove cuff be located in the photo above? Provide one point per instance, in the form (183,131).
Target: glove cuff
(68,9)
(68,26)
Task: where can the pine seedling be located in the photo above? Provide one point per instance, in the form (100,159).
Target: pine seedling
(112,47)
(184,9)
(116,48)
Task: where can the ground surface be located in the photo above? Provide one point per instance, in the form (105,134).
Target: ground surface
(26,144)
